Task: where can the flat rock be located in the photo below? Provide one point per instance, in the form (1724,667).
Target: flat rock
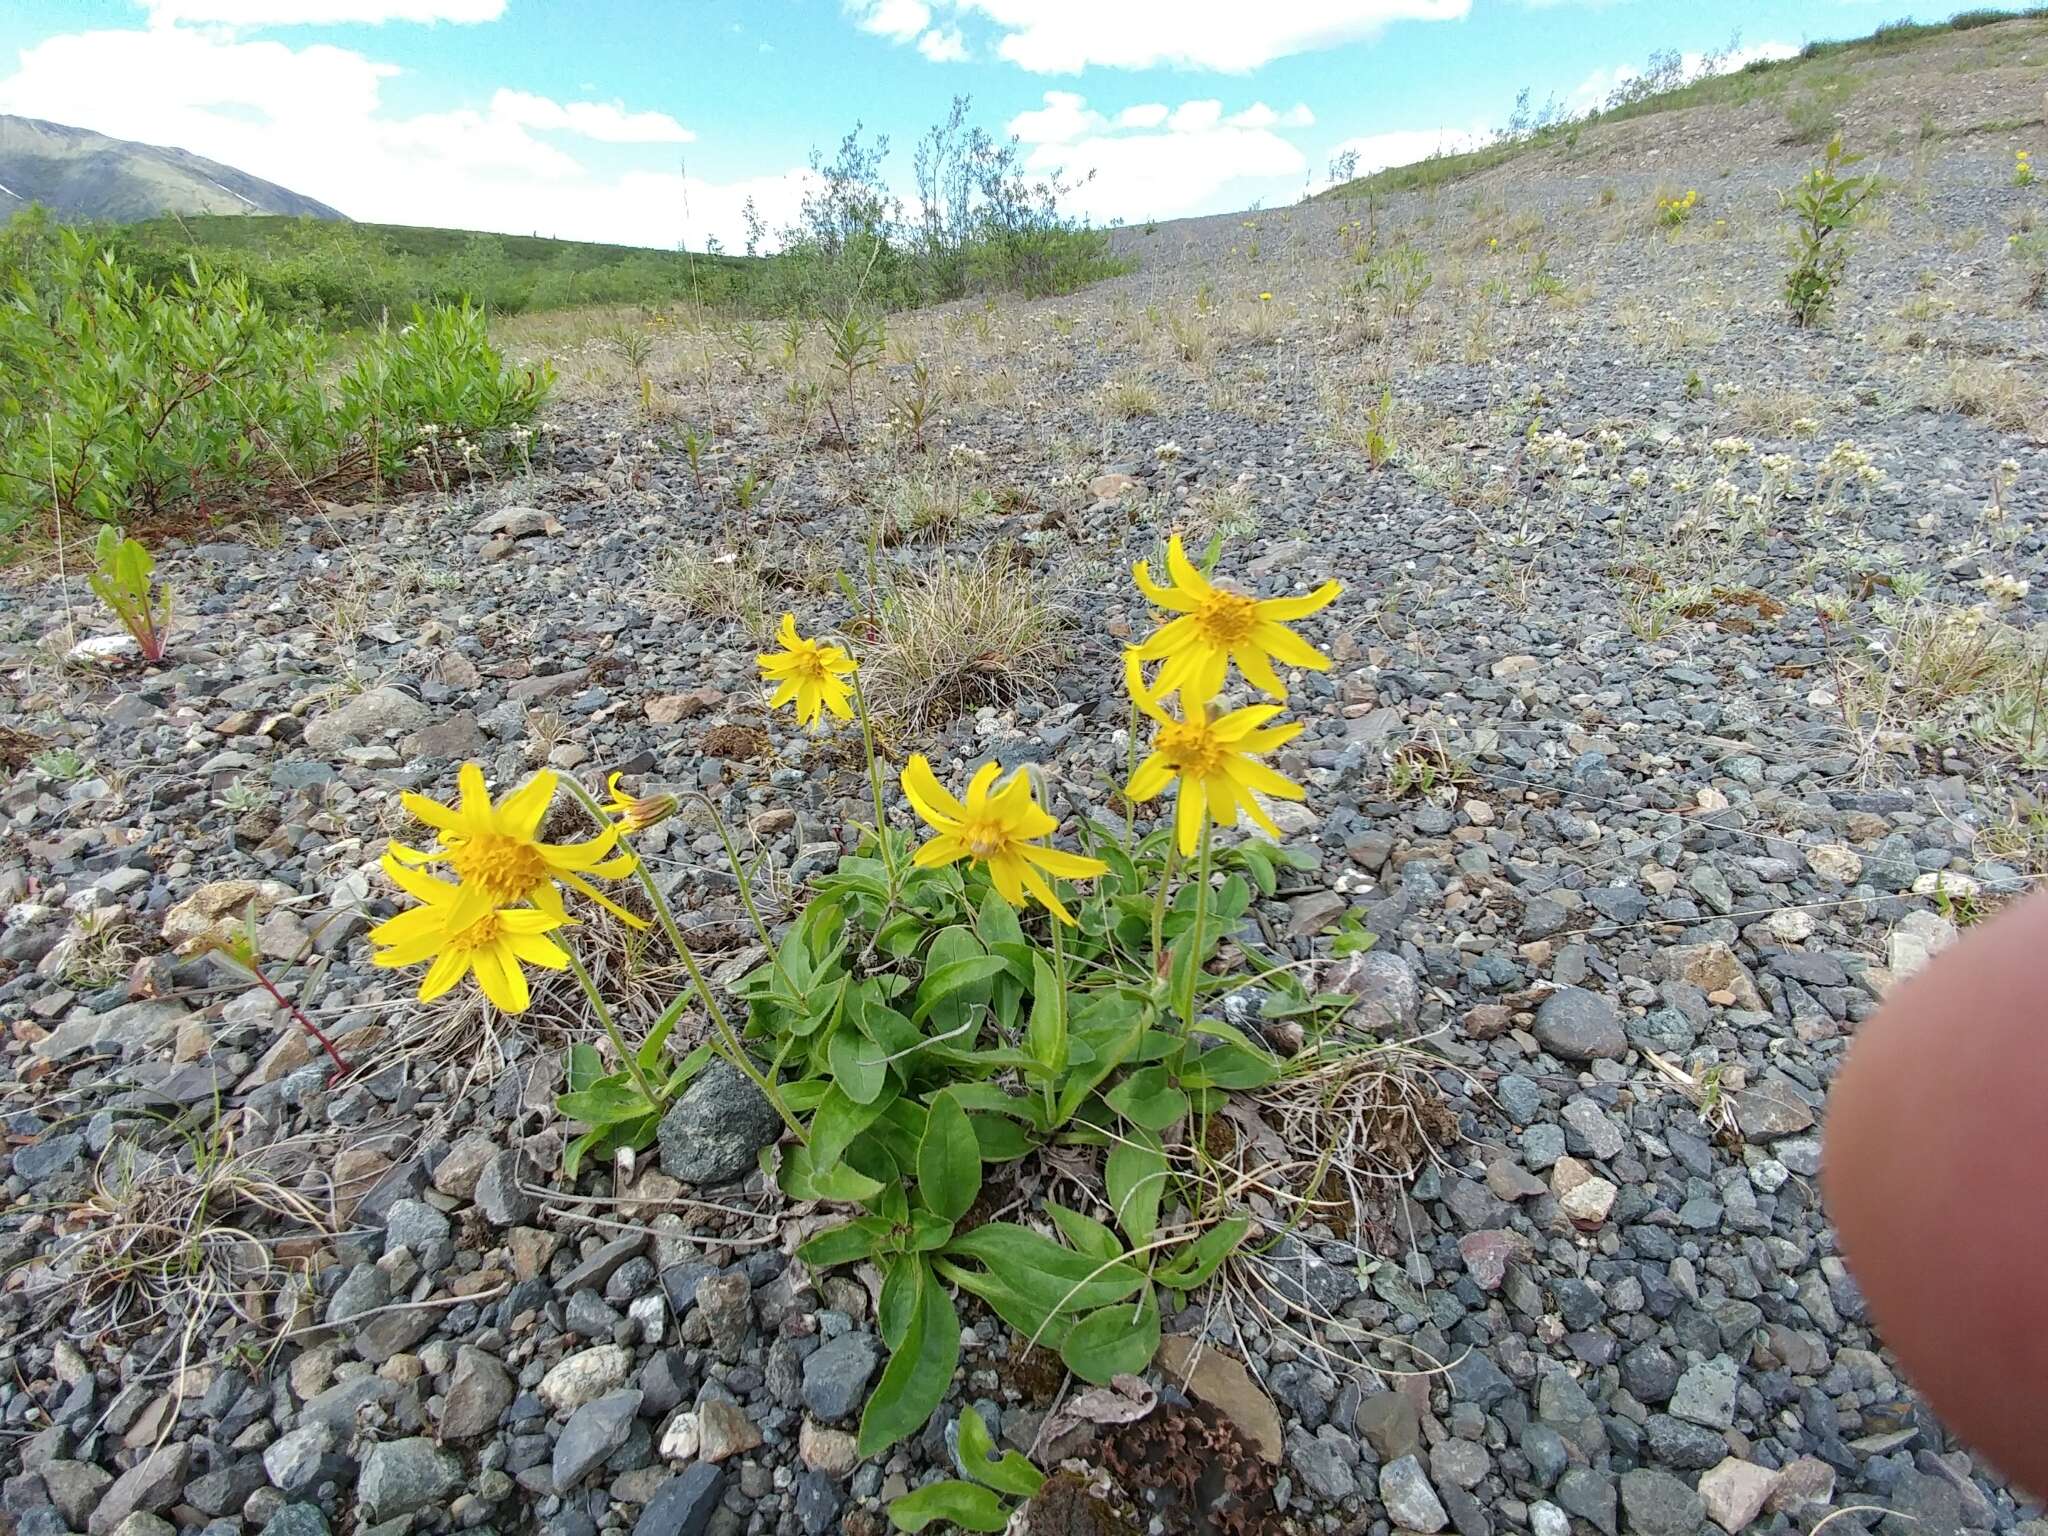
(1221,1380)
(370,716)
(1576,1025)
(1735,1492)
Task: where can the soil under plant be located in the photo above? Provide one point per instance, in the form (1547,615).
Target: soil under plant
(1689,691)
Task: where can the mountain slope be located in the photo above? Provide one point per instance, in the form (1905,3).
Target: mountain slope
(78,174)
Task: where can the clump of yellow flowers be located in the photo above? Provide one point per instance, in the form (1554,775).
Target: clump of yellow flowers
(2022,168)
(1672,212)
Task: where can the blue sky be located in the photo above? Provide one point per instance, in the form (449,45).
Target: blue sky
(653,122)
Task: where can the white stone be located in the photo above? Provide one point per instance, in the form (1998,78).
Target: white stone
(584,1377)
(679,1441)
(1734,1493)
(1833,861)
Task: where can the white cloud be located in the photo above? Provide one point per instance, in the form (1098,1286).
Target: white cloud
(1156,162)
(285,13)
(898,20)
(1066,36)
(607,122)
(943,46)
(1064,118)
(1405,146)
(1591,93)
(313,119)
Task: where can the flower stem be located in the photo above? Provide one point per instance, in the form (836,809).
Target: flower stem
(342,1067)
(1159,905)
(867,740)
(728,1042)
(630,1059)
(1187,1001)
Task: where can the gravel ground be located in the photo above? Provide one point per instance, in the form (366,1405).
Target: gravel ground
(1646,754)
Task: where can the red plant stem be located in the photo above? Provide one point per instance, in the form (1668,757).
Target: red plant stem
(298,1013)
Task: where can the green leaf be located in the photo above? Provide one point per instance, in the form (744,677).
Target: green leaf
(861,1238)
(1146,1098)
(606,1101)
(1232,1066)
(585,1067)
(1194,1263)
(801,1179)
(1088,1235)
(858,1065)
(838,1121)
(965,1505)
(952,978)
(914,1381)
(1046,1036)
(1115,1341)
(650,1048)
(1135,1178)
(896,1309)
(948,1160)
(1002,1139)
(1034,1267)
(1009,1473)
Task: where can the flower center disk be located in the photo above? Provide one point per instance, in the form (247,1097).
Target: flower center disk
(1227,618)
(1192,749)
(507,868)
(984,838)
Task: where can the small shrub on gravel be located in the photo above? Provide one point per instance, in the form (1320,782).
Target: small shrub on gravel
(1822,207)
(125,398)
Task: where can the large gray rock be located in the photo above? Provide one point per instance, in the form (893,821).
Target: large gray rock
(292,1461)
(401,1477)
(715,1132)
(1775,1106)
(501,1190)
(1658,1504)
(479,1392)
(1411,1503)
(151,1485)
(593,1432)
(1705,1394)
(836,1376)
(1387,992)
(1576,1025)
(369,716)
(684,1505)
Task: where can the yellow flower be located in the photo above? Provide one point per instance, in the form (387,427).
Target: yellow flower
(1265,298)
(636,813)
(807,673)
(997,829)
(1217,626)
(1213,763)
(460,937)
(496,852)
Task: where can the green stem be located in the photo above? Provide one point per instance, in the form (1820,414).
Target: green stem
(867,741)
(630,1059)
(728,1042)
(1059,980)
(1187,1002)
(1159,903)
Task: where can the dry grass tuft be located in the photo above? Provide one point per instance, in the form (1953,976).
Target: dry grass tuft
(1993,392)
(924,506)
(1126,396)
(961,634)
(720,583)
(175,1235)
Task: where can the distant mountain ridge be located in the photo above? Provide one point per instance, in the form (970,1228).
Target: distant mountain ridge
(78,174)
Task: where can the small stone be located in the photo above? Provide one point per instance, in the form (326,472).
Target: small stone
(584,1377)
(1774,1106)
(1388,996)
(1576,1025)
(401,1477)
(680,1440)
(1388,1422)
(593,1432)
(684,1505)
(1833,861)
(1799,1483)
(1705,1394)
(836,1376)
(500,1190)
(479,1392)
(1487,1255)
(724,1430)
(1581,1193)
(1712,968)
(834,1452)
(369,716)
(1734,1493)
(293,1460)
(152,1485)
(1658,1504)
(1411,1502)
(458,1172)
(715,1132)
(1220,1379)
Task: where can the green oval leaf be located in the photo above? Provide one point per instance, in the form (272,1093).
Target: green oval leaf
(1116,1341)
(965,1505)
(1009,1473)
(948,1160)
(918,1373)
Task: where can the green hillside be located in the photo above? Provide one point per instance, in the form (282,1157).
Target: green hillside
(345,274)
(1807,84)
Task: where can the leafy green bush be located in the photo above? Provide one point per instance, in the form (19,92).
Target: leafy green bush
(1822,207)
(120,395)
